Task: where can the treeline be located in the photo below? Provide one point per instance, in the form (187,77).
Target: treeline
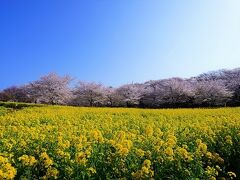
(214,89)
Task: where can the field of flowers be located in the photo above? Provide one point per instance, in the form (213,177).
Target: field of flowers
(56,142)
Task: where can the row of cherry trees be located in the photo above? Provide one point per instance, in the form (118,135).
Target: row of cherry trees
(219,88)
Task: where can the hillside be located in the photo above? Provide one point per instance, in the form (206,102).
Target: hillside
(92,143)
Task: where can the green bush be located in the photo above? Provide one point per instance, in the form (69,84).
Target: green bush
(16,105)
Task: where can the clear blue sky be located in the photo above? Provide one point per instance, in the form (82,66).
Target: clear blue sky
(117,41)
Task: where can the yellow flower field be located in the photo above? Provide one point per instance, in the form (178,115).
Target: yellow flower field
(54,142)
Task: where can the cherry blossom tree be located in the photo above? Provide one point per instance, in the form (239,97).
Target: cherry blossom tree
(50,89)
(14,94)
(130,94)
(211,93)
(89,94)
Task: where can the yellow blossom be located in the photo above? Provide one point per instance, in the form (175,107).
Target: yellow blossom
(169,151)
(28,160)
(232,175)
(47,161)
(149,131)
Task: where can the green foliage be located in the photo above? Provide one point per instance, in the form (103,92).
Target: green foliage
(16,105)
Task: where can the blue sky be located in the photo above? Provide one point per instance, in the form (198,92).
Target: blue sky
(117,41)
